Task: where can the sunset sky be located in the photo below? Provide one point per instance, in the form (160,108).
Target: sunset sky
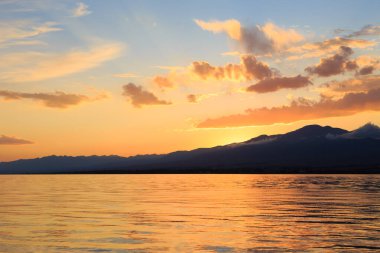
(137,77)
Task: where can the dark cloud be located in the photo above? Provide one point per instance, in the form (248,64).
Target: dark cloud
(192,98)
(254,40)
(351,65)
(140,97)
(301,109)
(248,69)
(258,39)
(334,65)
(367,70)
(8,140)
(277,83)
(368,30)
(268,38)
(56,100)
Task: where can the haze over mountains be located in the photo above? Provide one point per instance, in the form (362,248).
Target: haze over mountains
(310,149)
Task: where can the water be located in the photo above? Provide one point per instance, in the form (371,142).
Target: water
(189,213)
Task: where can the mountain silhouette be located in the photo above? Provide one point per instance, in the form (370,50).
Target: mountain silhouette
(310,149)
(369,130)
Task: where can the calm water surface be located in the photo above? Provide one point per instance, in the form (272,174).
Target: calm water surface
(189,213)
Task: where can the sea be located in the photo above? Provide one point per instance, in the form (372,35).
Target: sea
(189,213)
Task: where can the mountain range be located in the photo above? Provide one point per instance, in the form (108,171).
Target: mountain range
(310,149)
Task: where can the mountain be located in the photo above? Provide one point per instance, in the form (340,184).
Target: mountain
(369,130)
(310,149)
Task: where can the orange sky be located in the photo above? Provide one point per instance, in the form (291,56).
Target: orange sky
(125,78)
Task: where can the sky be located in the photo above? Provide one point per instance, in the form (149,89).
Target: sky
(150,77)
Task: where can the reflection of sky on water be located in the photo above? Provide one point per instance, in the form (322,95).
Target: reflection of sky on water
(189,213)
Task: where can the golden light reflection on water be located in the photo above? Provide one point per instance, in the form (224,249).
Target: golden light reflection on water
(189,213)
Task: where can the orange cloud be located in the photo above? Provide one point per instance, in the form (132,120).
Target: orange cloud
(231,26)
(248,69)
(56,100)
(255,39)
(318,49)
(282,38)
(18,31)
(337,89)
(365,60)
(277,83)
(43,66)
(301,109)
(140,97)
(163,82)
(192,98)
(9,140)
(125,75)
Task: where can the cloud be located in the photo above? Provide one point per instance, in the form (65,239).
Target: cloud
(9,140)
(368,30)
(334,65)
(195,98)
(367,70)
(24,68)
(232,53)
(140,97)
(57,99)
(368,64)
(339,31)
(338,89)
(192,98)
(300,109)
(277,83)
(364,60)
(163,82)
(16,32)
(231,26)
(23,43)
(248,69)
(125,75)
(171,68)
(81,10)
(255,39)
(318,49)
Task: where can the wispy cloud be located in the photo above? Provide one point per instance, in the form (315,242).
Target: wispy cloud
(57,99)
(140,97)
(323,48)
(338,89)
(301,109)
(20,31)
(231,26)
(81,10)
(125,75)
(24,68)
(10,140)
(368,30)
